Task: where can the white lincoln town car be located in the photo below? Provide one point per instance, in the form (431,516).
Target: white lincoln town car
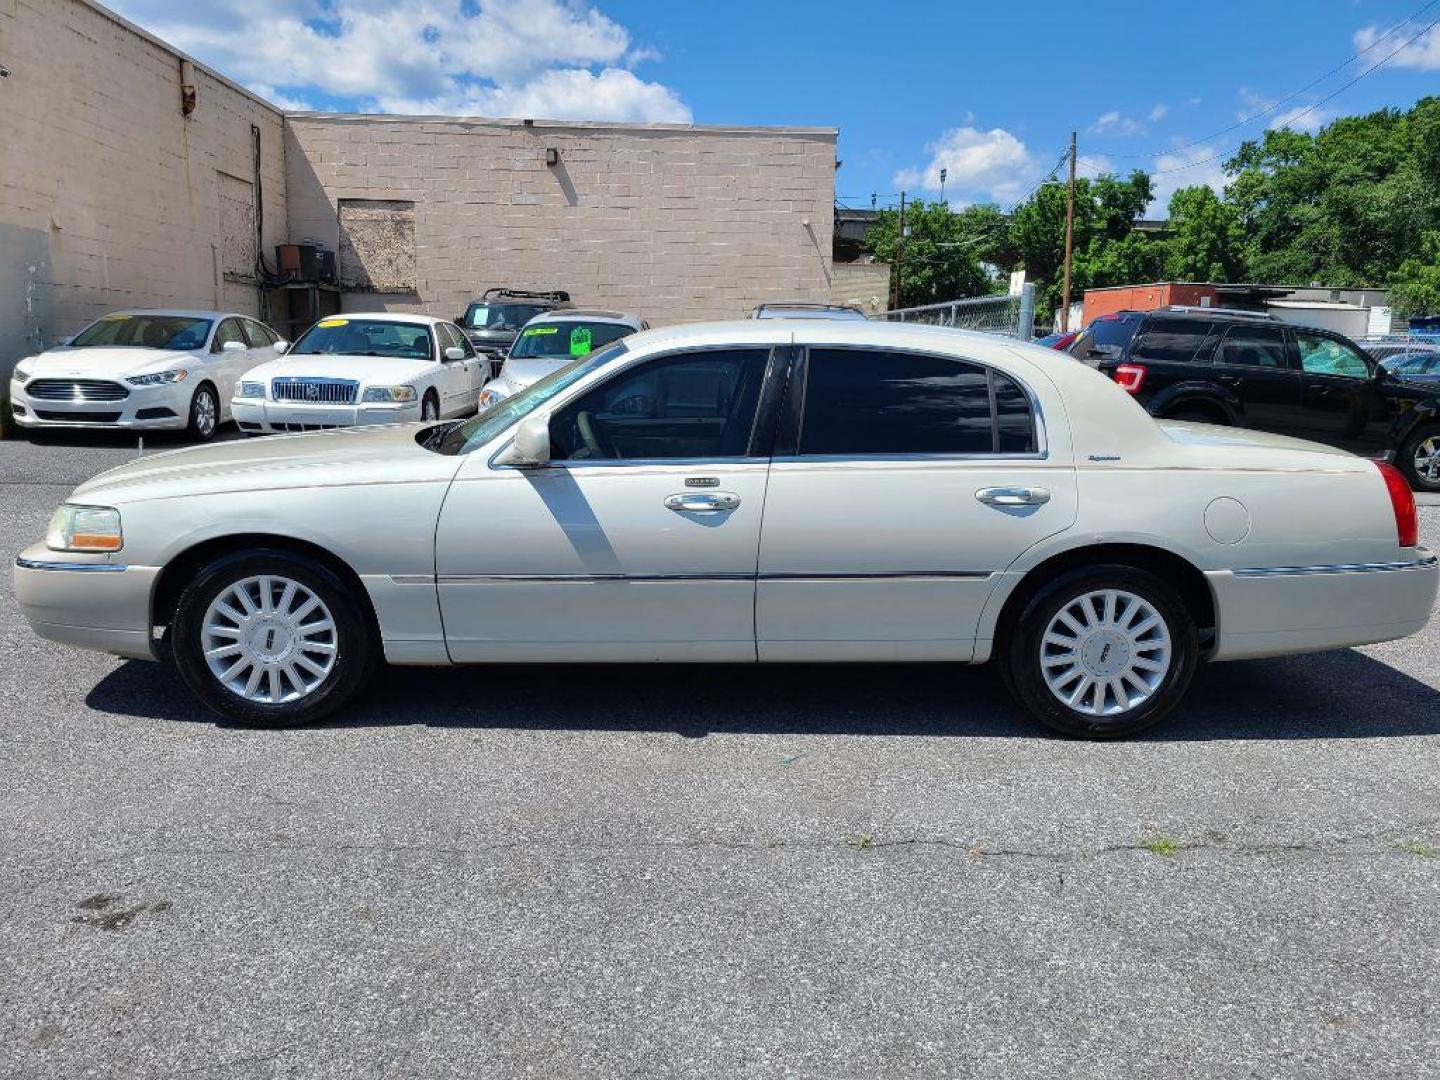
(349,370)
(142,370)
(740,492)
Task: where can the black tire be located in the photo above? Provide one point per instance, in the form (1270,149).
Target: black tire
(204,414)
(1405,460)
(1019,654)
(356,650)
(429,408)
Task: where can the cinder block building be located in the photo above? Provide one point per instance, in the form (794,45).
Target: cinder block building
(135,176)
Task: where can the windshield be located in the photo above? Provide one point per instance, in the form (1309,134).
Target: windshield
(365,337)
(144,332)
(501,316)
(478,430)
(573,337)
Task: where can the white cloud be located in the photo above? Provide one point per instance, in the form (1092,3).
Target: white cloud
(1189,167)
(1158,112)
(1092,165)
(979,165)
(541,58)
(1116,123)
(1302,118)
(1424,54)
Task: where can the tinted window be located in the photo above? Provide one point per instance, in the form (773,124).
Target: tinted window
(1107,336)
(1172,341)
(694,405)
(1326,356)
(861,401)
(1014,422)
(146,331)
(1252,346)
(228,331)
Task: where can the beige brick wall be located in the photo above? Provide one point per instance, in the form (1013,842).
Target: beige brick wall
(674,223)
(109,197)
(862,285)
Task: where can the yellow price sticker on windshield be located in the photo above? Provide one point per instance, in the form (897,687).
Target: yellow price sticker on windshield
(119,316)
(533,330)
(327,323)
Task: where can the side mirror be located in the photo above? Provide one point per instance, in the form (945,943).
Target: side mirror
(454,352)
(280,347)
(531,445)
(234,346)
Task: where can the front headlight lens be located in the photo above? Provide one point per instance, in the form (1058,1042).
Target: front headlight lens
(84,528)
(252,389)
(155,378)
(490,397)
(389,393)
(20,375)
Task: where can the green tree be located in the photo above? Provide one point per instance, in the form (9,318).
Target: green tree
(946,253)
(1206,241)
(1415,287)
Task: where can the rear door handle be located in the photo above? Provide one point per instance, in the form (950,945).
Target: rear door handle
(1013,496)
(703,502)
(1232,380)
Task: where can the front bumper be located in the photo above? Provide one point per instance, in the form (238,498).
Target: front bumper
(87,600)
(144,408)
(1272,611)
(259,416)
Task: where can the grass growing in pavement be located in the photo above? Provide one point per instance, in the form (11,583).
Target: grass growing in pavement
(1161,845)
(1418,847)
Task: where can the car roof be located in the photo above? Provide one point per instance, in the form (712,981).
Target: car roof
(590,314)
(385,316)
(183,313)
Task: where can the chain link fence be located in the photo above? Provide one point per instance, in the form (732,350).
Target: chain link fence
(1012,316)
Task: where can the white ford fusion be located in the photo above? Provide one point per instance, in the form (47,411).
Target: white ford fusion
(759,491)
(142,370)
(350,370)
(550,341)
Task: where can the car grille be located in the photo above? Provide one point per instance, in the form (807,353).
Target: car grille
(76,390)
(78,417)
(320,391)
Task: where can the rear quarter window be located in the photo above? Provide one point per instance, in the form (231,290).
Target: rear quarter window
(1104,339)
(1170,341)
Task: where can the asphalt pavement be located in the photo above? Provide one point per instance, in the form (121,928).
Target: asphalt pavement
(797,871)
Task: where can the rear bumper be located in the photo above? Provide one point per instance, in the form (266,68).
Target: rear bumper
(87,601)
(1271,611)
(261,417)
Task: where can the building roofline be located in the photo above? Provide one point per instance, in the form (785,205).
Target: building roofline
(507,121)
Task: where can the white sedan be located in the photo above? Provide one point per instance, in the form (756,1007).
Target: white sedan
(142,370)
(550,341)
(760,491)
(370,368)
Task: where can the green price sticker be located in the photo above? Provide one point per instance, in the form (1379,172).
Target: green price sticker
(580,341)
(531,331)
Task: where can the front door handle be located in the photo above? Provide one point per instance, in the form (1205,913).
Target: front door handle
(1013,496)
(702,502)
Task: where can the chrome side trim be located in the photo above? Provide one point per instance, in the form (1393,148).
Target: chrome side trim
(413,579)
(1425,562)
(921,575)
(78,567)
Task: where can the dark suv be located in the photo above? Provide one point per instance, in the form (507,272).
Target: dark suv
(1250,370)
(493,322)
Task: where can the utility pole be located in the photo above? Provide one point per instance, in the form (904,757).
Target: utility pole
(942,184)
(899,251)
(1069,241)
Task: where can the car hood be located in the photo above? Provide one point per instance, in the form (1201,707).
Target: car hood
(367,455)
(364,369)
(521,372)
(100,360)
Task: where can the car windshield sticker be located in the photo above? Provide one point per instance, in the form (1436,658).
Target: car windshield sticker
(580,341)
(533,330)
(119,316)
(327,323)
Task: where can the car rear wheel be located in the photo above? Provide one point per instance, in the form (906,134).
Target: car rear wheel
(1420,459)
(1101,652)
(204,414)
(272,639)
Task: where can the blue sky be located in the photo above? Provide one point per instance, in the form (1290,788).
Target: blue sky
(987,91)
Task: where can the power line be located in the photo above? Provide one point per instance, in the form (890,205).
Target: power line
(1292,96)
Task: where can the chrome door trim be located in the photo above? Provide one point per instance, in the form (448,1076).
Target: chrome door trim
(915,575)
(1424,562)
(79,568)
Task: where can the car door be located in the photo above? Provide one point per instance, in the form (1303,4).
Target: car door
(1343,403)
(637,541)
(477,370)
(451,381)
(902,484)
(225,366)
(1253,364)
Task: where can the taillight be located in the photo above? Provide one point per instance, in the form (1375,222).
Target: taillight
(1130,377)
(1402,501)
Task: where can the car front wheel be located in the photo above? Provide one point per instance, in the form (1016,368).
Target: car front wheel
(272,639)
(204,414)
(1101,652)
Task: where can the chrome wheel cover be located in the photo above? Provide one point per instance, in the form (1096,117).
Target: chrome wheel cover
(1427,459)
(205,412)
(269,639)
(1105,652)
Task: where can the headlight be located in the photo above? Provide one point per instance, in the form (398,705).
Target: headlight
(490,397)
(252,389)
(84,528)
(19,374)
(389,393)
(155,378)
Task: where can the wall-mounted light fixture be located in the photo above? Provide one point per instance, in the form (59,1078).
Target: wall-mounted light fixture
(187,88)
(552,156)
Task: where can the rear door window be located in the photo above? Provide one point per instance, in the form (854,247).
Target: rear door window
(1167,340)
(229,331)
(1105,338)
(1252,346)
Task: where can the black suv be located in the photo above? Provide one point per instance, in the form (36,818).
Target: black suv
(1251,370)
(493,322)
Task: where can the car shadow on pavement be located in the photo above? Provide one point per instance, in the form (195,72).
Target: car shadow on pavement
(1323,696)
